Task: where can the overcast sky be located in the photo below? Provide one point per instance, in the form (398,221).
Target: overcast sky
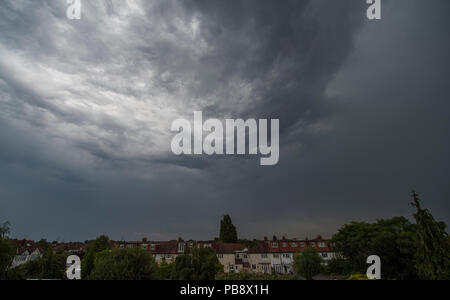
(86,108)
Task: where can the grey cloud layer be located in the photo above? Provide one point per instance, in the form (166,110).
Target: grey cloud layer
(86,108)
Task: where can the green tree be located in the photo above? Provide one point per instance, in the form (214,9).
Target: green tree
(339,266)
(31,270)
(358,277)
(100,244)
(165,270)
(5,229)
(393,240)
(308,263)
(43,244)
(87,264)
(433,249)
(125,264)
(7,250)
(53,266)
(199,264)
(228,232)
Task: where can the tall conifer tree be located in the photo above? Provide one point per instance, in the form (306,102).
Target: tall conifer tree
(228,232)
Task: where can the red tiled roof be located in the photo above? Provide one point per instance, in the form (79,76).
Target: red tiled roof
(260,247)
(227,248)
(266,246)
(293,246)
(170,247)
(25,245)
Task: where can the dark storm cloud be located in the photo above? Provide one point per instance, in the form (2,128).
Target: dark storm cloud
(286,52)
(86,108)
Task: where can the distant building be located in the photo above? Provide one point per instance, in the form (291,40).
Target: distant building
(263,257)
(282,252)
(73,248)
(26,251)
(231,256)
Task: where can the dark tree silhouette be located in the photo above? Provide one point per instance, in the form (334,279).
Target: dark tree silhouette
(228,233)
(433,249)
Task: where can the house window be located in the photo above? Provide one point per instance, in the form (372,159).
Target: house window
(324,255)
(245,256)
(313,244)
(321,245)
(264,255)
(180,247)
(152,246)
(274,245)
(294,245)
(284,245)
(302,244)
(276,256)
(220,255)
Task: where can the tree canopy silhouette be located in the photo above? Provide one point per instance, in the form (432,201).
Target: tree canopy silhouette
(228,232)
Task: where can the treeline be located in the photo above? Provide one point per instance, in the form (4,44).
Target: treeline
(101,262)
(408,251)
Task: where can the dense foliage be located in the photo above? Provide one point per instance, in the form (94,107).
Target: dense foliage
(165,270)
(6,250)
(308,263)
(125,264)
(358,277)
(101,244)
(433,245)
(198,264)
(392,240)
(407,251)
(50,266)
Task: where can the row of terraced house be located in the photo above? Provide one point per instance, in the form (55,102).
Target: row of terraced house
(266,256)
